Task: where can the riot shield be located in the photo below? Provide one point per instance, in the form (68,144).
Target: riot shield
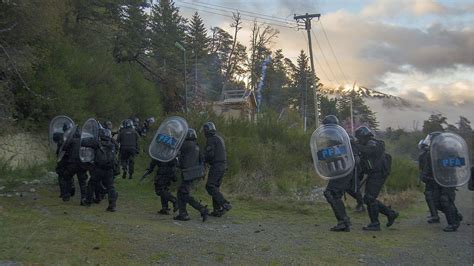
(61,129)
(332,152)
(450,160)
(168,139)
(57,127)
(90,132)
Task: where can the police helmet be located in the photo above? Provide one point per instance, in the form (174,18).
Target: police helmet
(363,132)
(191,134)
(209,128)
(105,134)
(330,120)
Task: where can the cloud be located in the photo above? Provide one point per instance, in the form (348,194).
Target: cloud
(390,8)
(417,8)
(448,86)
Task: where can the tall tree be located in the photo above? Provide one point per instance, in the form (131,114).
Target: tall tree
(464,125)
(362,113)
(261,37)
(197,39)
(132,40)
(167,28)
(276,83)
(436,122)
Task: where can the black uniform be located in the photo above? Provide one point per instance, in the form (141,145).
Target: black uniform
(74,166)
(426,176)
(333,194)
(166,174)
(372,154)
(443,197)
(128,140)
(354,188)
(190,156)
(103,170)
(215,156)
(65,167)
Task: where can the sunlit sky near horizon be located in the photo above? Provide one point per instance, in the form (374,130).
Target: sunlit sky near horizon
(421,50)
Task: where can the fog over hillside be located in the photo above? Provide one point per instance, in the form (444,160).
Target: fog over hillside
(407,117)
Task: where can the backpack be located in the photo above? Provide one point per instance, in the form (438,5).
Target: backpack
(105,156)
(386,160)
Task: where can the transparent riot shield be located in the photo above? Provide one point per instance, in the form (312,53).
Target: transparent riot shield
(168,139)
(450,160)
(90,132)
(57,127)
(332,152)
(61,130)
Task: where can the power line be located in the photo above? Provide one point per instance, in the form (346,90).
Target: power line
(215,11)
(227,9)
(317,62)
(325,59)
(332,50)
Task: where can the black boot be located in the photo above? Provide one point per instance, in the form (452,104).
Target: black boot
(226,207)
(175,205)
(124,175)
(451,228)
(433,220)
(360,207)
(373,211)
(204,213)
(182,217)
(112,203)
(389,212)
(164,211)
(342,226)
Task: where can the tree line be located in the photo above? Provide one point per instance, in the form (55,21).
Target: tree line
(115,58)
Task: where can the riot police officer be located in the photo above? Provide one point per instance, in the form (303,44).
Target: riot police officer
(215,156)
(372,154)
(443,197)
(66,185)
(103,167)
(189,157)
(74,166)
(165,174)
(426,177)
(128,140)
(335,190)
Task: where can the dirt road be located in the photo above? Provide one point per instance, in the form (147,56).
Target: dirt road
(39,228)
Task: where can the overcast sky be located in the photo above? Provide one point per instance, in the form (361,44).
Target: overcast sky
(421,50)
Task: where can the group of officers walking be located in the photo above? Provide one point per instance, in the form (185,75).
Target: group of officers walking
(448,169)
(342,159)
(94,148)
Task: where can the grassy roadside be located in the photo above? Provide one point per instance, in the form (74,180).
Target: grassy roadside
(39,228)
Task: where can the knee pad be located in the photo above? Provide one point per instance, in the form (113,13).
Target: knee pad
(369,199)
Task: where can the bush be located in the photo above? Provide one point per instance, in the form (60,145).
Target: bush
(404,174)
(265,158)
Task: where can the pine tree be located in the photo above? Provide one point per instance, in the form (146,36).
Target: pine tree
(362,114)
(196,38)
(167,28)
(436,122)
(276,83)
(132,39)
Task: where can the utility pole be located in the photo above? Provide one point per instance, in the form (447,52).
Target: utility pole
(307,23)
